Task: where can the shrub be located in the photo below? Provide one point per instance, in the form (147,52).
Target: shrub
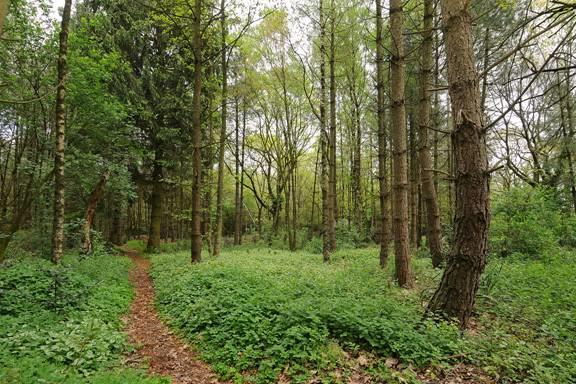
(525,221)
(61,323)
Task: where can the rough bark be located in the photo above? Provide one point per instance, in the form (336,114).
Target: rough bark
(414,195)
(433,224)
(456,294)
(382,138)
(217,243)
(196,246)
(398,112)
(95,196)
(58,220)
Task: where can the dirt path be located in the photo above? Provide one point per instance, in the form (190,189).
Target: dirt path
(164,352)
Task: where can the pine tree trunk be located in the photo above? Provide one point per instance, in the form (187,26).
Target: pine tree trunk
(382,137)
(433,225)
(414,185)
(58,220)
(217,244)
(95,196)
(398,111)
(196,246)
(456,294)
(358,210)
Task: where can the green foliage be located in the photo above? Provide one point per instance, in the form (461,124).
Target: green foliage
(347,237)
(82,345)
(61,323)
(272,311)
(527,221)
(530,320)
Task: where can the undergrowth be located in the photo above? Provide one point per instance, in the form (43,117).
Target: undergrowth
(60,324)
(256,314)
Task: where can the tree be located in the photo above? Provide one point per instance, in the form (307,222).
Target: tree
(456,293)
(95,196)
(223,131)
(398,112)
(433,226)
(58,221)
(382,136)
(196,138)
(328,216)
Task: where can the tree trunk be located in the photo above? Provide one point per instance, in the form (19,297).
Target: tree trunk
(382,138)
(357,204)
(209,161)
(6,233)
(433,225)
(58,220)
(568,135)
(328,219)
(414,185)
(117,233)
(242,159)
(400,206)
(156,205)
(217,244)
(196,246)
(332,142)
(237,203)
(456,294)
(4,5)
(95,196)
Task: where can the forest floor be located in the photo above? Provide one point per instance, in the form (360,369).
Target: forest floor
(272,316)
(164,353)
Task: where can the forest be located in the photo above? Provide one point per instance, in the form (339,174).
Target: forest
(287,191)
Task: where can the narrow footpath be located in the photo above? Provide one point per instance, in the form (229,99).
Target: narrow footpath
(164,352)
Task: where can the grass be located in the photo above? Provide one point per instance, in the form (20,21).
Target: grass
(256,314)
(62,324)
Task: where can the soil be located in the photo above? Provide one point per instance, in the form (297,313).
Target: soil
(156,345)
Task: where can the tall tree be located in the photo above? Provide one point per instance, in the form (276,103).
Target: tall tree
(382,136)
(332,126)
(398,112)
(217,243)
(60,123)
(328,218)
(196,251)
(433,225)
(456,294)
